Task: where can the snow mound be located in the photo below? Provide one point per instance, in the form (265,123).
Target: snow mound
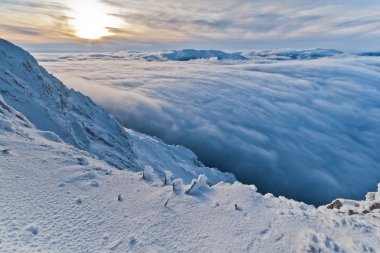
(309,54)
(191,54)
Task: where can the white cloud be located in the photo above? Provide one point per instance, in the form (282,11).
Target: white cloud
(307,129)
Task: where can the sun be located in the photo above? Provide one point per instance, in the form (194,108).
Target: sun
(91,20)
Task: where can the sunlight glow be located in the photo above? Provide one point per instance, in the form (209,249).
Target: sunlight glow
(91,20)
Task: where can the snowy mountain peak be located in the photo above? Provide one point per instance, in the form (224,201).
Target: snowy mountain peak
(14,54)
(50,106)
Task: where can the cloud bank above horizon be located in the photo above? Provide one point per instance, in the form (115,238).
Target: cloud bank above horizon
(235,24)
(308,129)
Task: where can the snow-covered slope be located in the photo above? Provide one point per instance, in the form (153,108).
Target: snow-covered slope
(57,198)
(50,106)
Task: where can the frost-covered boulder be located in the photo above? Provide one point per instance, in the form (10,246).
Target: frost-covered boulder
(148,173)
(178,185)
(373,196)
(198,184)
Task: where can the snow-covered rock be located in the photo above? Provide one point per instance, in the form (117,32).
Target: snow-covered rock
(369,206)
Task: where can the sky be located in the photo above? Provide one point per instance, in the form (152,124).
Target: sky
(113,25)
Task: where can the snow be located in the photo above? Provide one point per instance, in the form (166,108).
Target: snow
(66,213)
(307,128)
(56,197)
(181,162)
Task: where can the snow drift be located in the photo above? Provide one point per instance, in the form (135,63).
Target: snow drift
(308,129)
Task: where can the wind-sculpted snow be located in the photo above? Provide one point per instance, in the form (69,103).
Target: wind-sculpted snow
(306,129)
(50,106)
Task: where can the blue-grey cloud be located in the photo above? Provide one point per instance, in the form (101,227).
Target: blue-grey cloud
(308,129)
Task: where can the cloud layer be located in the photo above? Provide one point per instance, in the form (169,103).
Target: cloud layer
(306,129)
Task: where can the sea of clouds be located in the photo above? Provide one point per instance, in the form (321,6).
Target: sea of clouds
(304,127)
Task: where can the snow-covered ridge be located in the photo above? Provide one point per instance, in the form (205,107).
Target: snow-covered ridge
(50,106)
